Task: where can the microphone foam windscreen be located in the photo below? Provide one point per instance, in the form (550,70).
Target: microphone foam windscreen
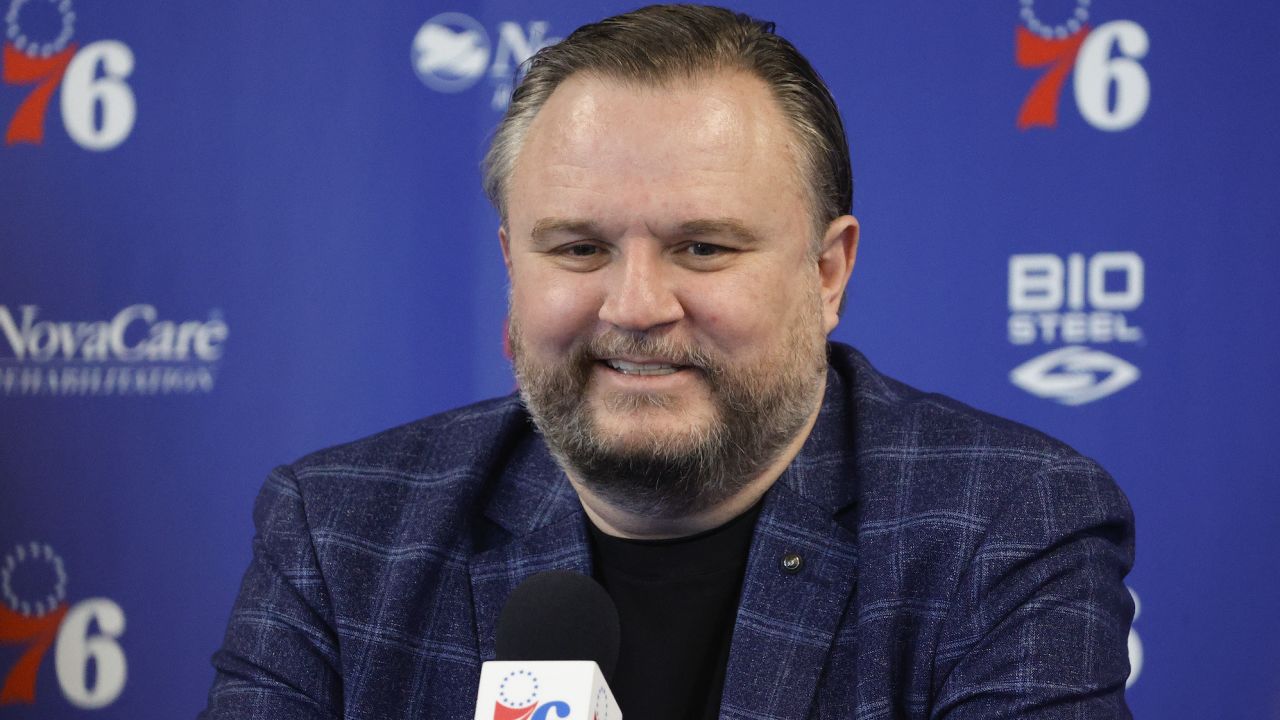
(560,615)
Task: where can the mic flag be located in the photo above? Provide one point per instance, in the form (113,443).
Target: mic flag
(544,690)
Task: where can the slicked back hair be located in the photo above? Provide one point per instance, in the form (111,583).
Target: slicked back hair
(665,43)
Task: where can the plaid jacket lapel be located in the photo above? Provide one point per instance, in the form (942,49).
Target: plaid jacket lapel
(787,621)
(561,545)
(788,616)
(534,503)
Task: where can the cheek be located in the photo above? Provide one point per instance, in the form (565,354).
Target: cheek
(740,316)
(753,314)
(551,310)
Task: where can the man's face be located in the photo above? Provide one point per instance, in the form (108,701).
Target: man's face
(668,312)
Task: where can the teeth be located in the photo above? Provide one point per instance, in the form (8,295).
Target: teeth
(630,368)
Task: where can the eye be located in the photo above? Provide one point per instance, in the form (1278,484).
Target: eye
(580,255)
(581,250)
(702,249)
(705,256)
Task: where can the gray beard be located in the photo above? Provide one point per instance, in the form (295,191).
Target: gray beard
(758,412)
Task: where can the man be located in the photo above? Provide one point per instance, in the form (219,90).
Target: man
(787,533)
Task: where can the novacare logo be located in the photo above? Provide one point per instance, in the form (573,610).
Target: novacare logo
(45,340)
(133,352)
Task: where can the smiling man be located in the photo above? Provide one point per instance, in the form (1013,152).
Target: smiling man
(786,532)
(670,300)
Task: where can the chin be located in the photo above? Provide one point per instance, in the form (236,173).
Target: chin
(640,419)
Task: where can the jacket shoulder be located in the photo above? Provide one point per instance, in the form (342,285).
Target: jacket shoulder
(896,417)
(420,484)
(990,552)
(452,441)
(928,454)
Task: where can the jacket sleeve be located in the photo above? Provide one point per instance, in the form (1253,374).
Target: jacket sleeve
(279,659)
(1039,624)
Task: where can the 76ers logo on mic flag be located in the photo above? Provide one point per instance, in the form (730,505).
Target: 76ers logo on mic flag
(517,696)
(544,690)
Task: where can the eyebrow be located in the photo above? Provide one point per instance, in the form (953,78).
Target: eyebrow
(727,227)
(551,225)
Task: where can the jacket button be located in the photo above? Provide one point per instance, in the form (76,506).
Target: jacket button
(792,563)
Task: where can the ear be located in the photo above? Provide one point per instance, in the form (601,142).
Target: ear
(506,247)
(835,264)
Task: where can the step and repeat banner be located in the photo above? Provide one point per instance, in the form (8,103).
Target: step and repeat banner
(235,232)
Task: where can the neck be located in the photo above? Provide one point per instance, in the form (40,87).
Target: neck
(622,523)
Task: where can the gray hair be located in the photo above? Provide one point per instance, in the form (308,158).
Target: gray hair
(660,43)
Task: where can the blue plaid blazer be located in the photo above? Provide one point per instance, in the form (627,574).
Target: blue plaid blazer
(955,566)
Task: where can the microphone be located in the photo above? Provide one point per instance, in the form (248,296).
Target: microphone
(557,643)
(560,615)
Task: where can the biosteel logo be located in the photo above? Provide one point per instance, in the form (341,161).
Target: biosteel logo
(97,106)
(1075,301)
(1111,88)
(132,352)
(1135,643)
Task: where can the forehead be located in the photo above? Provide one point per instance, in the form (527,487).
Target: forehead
(714,146)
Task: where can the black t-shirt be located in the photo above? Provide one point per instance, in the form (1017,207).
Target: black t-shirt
(676,600)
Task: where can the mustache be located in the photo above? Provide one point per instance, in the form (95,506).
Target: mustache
(614,344)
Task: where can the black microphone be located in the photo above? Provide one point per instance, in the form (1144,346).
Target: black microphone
(560,615)
(557,643)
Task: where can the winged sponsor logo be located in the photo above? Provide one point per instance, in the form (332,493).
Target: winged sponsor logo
(451,52)
(1074,375)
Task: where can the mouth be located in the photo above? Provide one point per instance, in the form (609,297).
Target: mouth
(627,367)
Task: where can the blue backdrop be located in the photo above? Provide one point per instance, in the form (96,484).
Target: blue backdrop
(235,232)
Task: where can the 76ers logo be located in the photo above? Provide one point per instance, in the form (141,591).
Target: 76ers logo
(518,699)
(34,614)
(98,108)
(1111,88)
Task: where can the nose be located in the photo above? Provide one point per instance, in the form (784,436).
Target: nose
(639,296)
